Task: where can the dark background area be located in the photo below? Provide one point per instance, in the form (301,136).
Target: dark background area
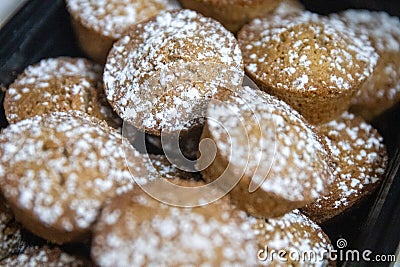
(329,6)
(41,29)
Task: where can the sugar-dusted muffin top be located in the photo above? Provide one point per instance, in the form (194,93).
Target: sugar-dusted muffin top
(288,8)
(359,160)
(172,62)
(253,129)
(295,234)
(113,17)
(313,63)
(307,53)
(135,226)
(58,169)
(168,170)
(233,14)
(382,90)
(59,84)
(382,29)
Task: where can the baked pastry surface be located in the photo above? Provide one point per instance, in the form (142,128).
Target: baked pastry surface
(11,241)
(159,75)
(382,90)
(262,141)
(44,256)
(59,84)
(233,14)
(295,234)
(313,63)
(98,24)
(58,169)
(137,230)
(359,161)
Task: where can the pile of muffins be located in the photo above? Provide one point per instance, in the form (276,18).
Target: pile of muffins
(286,148)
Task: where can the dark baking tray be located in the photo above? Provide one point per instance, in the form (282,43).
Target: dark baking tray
(42,29)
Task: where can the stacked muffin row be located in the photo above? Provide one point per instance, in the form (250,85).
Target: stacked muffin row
(99,24)
(69,177)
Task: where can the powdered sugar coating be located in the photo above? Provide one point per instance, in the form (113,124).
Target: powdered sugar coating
(293,233)
(173,61)
(44,256)
(61,167)
(307,53)
(383,29)
(170,171)
(288,8)
(144,232)
(113,17)
(11,241)
(59,84)
(359,158)
(382,90)
(299,171)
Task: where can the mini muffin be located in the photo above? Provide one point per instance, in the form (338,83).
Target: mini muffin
(359,160)
(159,77)
(44,256)
(11,241)
(311,62)
(136,230)
(59,84)
(58,169)
(166,66)
(233,14)
(294,234)
(266,152)
(98,24)
(382,90)
(288,8)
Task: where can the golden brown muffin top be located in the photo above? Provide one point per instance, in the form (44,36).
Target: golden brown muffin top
(251,128)
(59,84)
(359,158)
(309,53)
(113,17)
(62,166)
(294,232)
(288,8)
(382,29)
(165,67)
(383,89)
(231,2)
(132,227)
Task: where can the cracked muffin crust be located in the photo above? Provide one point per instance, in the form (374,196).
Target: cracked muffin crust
(59,84)
(98,24)
(275,149)
(233,14)
(58,169)
(136,230)
(359,161)
(313,63)
(382,90)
